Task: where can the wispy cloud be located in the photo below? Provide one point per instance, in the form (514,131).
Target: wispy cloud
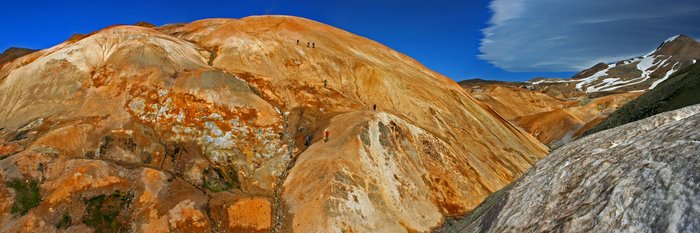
(570,35)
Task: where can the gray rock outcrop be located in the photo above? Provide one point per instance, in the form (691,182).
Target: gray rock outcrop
(639,177)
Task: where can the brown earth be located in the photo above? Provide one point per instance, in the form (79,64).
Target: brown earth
(13,53)
(513,102)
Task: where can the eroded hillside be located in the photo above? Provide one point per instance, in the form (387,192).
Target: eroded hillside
(204,127)
(551,120)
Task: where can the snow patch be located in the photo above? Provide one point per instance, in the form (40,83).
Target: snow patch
(668,74)
(604,84)
(594,77)
(552,81)
(646,64)
(671,38)
(625,83)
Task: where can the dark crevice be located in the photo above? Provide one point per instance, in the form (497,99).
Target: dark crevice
(278,214)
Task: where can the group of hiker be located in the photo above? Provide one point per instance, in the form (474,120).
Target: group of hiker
(307,140)
(327,134)
(326,138)
(309,44)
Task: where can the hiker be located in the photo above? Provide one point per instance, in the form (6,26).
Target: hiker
(325,83)
(313,45)
(41,170)
(308,44)
(327,135)
(374,107)
(308,140)
(297,42)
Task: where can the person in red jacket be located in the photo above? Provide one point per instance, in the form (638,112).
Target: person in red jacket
(327,135)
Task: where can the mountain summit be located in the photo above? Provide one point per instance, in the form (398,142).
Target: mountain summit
(681,46)
(13,53)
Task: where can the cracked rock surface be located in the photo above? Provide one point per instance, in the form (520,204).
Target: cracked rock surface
(638,177)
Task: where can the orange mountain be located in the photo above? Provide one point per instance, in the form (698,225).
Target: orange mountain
(553,121)
(201,127)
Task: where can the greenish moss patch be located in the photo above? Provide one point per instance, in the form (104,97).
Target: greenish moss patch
(27,195)
(108,213)
(64,222)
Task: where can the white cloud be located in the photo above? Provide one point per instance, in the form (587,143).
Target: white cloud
(570,35)
(505,10)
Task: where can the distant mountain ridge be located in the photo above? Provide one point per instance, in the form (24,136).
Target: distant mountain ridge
(13,53)
(556,110)
(638,175)
(678,91)
(636,74)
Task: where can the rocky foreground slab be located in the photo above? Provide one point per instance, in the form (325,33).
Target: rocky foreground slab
(639,177)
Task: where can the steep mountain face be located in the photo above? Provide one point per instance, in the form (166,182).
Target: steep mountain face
(560,126)
(204,126)
(638,177)
(678,91)
(13,53)
(637,74)
(551,120)
(513,101)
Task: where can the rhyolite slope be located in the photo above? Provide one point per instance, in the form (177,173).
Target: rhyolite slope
(200,127)
(551,120)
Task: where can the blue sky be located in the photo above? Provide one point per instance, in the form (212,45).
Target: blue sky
(566,35)
(445,35)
